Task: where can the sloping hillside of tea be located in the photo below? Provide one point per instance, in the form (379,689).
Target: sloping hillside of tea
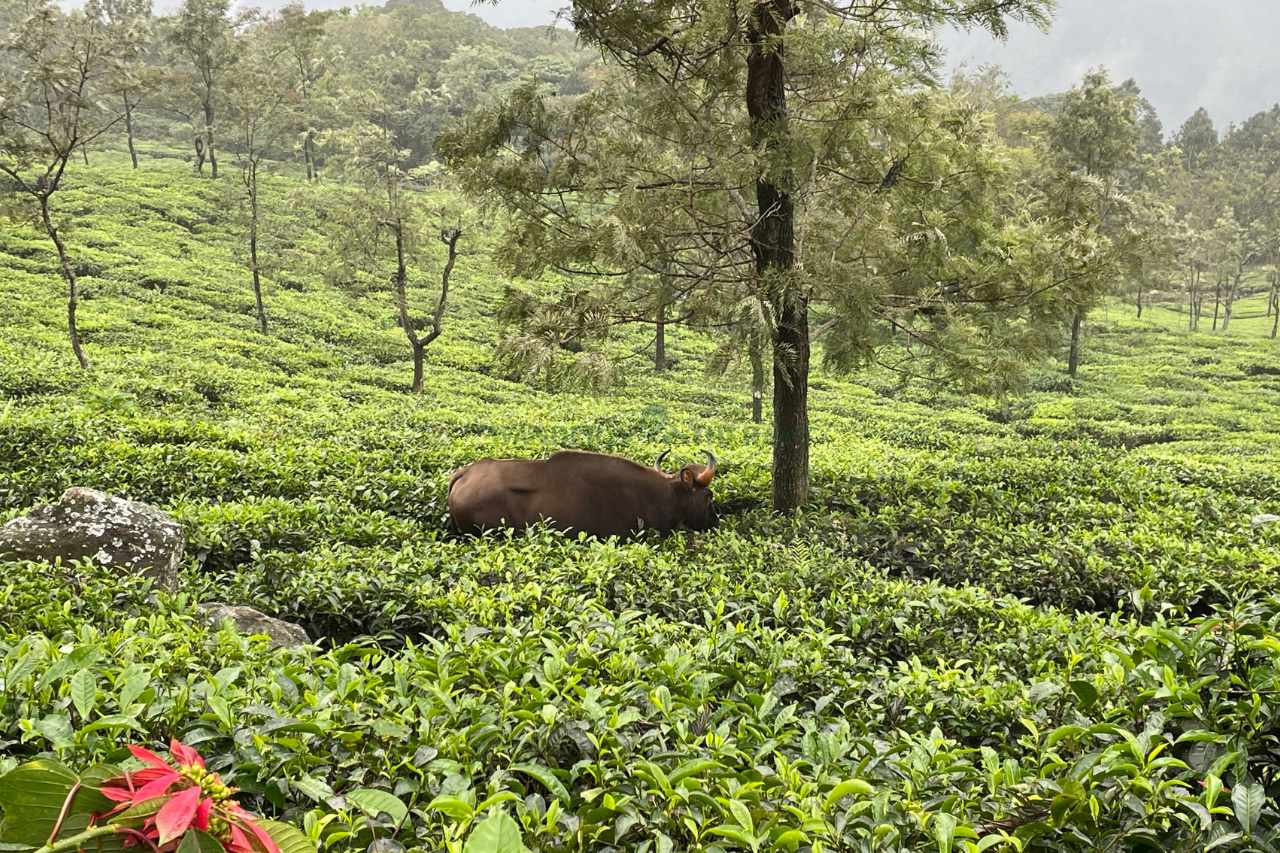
(1045,623)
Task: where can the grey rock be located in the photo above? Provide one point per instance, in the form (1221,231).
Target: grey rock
(253,622)
(127,536)
(1266,518)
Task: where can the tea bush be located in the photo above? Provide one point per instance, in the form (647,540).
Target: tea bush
(1045,623)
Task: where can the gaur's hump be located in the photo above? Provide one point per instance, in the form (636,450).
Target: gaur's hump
(597,460)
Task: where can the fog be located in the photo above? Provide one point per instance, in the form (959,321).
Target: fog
(1184,54)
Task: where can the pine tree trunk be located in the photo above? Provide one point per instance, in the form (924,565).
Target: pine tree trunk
(773,245)
(69,276)
(128,126)
(1073,357)
(660,340)
(756,348)
(253,247)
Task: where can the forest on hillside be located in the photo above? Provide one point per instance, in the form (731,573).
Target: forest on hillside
(984,382)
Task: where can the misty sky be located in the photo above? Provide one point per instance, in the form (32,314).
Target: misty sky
(1184,53)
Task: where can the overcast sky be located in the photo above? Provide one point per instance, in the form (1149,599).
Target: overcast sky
(1220,54)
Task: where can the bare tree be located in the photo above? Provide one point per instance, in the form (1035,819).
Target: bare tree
(49,110)
(449,236)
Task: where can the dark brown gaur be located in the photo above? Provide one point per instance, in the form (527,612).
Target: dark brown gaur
(575,490)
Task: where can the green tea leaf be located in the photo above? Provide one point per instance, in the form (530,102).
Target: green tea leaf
(547,779)
(84,693)
(288,838)
(944,831)
(498,833)
(1247,800)
(456,808)
(847,788)
(373,802)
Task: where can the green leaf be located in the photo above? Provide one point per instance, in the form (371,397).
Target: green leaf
(374,802)
(313,788)
(136,678)
(1068,731)
(742,815)
(142,810)
(1086,693)
(498,833)
(222,711)
(1247,800)
(195,841)
(848,788)
(547,779)
(32,797)
(56,728)
(1222,841)
(84,693)
(790,840)
(693,768)
(454,807)
(944,831)
(734,833)
(288,838)
(112,721)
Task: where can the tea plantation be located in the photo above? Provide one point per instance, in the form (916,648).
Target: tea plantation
(1040,624)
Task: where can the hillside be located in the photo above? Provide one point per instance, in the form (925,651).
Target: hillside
(994,617)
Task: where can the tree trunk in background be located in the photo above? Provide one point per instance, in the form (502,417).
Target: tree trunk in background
(128,126)
(660,340)
(199,156)
(419,354)
(84,153)
(253,246)
(1229,301)
(1073,357)
(1139,304)
(1199,301)
(756,350)
(402,305)
(773,245)
(68,275)
(309,154)
(1275,305)
(208,139)
(1217,301)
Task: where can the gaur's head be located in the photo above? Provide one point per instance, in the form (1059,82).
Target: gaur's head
(694,505)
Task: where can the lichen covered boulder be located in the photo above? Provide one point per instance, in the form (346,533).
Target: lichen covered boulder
(116,534)
(254,622)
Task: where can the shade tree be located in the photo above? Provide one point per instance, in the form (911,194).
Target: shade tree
(804,156)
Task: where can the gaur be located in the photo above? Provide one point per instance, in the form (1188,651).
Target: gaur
(575,490)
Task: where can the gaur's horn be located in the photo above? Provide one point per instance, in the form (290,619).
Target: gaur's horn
(709,473)
(661,456)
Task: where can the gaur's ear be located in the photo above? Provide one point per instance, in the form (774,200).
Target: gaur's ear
(687,477)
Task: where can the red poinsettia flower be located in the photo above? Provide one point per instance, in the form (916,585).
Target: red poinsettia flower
(193,798)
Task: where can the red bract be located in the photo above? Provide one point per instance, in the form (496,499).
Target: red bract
(193,798)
